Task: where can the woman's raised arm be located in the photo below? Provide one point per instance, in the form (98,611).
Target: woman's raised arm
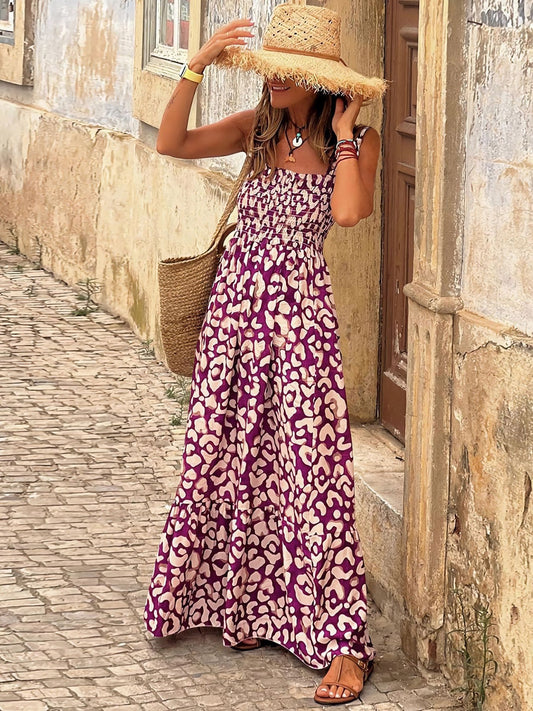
(217,139)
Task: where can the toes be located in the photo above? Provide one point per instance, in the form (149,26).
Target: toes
(338,692)
(333,691)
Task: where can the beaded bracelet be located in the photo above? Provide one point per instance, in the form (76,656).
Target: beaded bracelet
(346,149)
(346,145)
(345,140)
(342,154)
(339,160)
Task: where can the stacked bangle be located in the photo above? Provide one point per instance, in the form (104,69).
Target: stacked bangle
(345,148)
(345,141)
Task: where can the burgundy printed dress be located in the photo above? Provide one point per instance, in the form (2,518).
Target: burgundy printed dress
(261,540)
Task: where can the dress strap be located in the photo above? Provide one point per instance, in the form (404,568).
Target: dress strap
(359,138)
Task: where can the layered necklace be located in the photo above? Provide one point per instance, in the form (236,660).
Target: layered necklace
(297,141)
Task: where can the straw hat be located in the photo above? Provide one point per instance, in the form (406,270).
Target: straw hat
(303,43)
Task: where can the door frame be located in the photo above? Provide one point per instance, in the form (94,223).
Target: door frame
(434,298)
(390,424)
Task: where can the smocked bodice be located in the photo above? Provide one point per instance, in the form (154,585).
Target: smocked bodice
(294,206)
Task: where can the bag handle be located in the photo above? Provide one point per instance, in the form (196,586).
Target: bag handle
(232,201)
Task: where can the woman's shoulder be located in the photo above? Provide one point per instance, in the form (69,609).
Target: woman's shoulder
(245,119)
(245,122)
(368,137)
(241,121)
(360,129)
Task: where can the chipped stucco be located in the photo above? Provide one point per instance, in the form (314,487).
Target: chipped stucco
(83,62)
(491,516)
(497,278)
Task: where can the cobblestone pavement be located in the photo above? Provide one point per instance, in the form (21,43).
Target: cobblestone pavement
(89,464)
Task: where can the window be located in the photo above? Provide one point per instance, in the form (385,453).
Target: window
(7,20)
(167,29)
(172,30)
(17,23)
(167,33)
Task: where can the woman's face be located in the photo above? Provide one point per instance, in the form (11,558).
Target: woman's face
(285,93)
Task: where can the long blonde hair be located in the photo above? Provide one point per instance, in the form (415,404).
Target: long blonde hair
(269,122)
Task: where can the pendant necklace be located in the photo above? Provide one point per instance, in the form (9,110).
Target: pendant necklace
(297,141)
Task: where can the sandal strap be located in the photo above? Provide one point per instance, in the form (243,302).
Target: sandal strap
(333,678)
(363,664)
(334,672)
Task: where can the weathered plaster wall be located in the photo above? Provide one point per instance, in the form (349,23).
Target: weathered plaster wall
(87,200)
(490,534)
(490,541)
(497,278)
(469,449)
(83,62)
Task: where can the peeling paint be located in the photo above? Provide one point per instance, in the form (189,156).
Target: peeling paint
(90,58)
(490,492)
(505,13)
(497,279)
(84,61)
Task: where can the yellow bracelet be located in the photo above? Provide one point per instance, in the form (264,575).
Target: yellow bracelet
(187,73)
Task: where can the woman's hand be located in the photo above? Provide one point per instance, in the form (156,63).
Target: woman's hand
(234,32)
(345,117)
(352,198)
(224,137)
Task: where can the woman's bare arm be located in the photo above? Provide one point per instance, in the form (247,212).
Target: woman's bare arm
(221,138)
(352,198)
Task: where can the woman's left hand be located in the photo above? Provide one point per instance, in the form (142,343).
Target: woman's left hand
(344,118)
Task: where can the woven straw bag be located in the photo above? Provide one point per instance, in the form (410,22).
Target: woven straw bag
(185,285)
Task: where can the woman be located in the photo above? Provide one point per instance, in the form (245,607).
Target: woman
(261,538)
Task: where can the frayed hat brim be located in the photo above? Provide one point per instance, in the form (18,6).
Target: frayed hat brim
(315,72)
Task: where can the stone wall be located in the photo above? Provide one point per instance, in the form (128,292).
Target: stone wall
(88,202)
(490,539)
(497,275)
(469,450)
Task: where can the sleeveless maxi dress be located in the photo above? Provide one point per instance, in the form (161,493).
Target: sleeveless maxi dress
(261,539)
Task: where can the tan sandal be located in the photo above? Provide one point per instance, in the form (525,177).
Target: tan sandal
(333,676)
(245,644)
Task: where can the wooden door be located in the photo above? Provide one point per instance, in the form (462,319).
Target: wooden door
(401,42)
